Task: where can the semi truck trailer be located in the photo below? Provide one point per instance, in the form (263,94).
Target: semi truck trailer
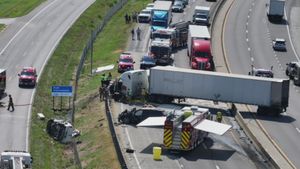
(2,82)
(199,50)
(163,84)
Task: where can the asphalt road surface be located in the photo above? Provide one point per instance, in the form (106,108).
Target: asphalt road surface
(248,41)
(232,150)
(30,41)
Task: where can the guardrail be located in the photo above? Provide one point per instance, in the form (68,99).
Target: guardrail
(83,57)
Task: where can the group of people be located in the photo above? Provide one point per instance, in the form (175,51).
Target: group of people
(133,17)
(138,33)
(105,80)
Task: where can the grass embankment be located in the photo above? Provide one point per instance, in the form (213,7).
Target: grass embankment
(2,26)
(96,149)
(15,8)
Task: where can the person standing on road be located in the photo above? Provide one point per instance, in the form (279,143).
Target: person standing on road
(138,33)
(132,34)
(101,93)
(10,103)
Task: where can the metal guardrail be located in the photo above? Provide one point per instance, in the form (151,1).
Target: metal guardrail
(83,57)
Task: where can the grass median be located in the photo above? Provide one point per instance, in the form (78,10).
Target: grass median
(16,8)
(2,26)
(96,141)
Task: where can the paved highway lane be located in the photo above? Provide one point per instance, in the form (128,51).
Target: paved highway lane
(29,41)
(216,152)
(248,41)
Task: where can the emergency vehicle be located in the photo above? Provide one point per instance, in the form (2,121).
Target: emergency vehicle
(186,130)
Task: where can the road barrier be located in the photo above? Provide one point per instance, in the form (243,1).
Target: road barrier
(83,57)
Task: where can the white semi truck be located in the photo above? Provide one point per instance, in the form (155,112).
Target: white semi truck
(163,84)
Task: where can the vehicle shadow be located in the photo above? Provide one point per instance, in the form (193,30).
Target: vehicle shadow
(200,152)
(280,22)
(280,118)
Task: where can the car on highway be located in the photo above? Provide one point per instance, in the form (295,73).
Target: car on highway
(262,72)
(135,116)
(144,16)
(279,44)
(178,6)
(27,77)
(185,2)
(125,62)
(147,62)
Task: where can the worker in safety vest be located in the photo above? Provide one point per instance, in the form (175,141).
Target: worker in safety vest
(219,117)
(102,79)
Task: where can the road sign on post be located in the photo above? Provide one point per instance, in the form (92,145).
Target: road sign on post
(61,91)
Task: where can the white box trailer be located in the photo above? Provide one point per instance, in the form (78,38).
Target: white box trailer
(171,82)
(196,32)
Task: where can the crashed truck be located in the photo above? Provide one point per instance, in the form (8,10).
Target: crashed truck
(186,129)
(163,84)
(61,131)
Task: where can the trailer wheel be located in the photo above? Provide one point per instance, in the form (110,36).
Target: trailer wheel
(126,120)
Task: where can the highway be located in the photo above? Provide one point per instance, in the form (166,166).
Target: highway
(232,150)
(30,41)
(248,41)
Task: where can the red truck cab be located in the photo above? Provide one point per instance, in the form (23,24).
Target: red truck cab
(200,56)
(27,77)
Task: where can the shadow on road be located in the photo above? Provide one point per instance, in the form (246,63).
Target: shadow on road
(280,118)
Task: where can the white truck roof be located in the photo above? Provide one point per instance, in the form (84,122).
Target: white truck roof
(162,5)
(199,31)
(202,8)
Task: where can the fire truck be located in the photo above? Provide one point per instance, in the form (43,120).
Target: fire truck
(177,34)
(185,131)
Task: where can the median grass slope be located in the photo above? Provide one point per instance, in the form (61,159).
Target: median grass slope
(15,8)
(96,149)
(2,27)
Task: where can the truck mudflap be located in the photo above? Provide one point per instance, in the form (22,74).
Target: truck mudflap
(276,111)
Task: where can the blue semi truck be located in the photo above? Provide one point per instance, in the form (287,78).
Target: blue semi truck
(161,15)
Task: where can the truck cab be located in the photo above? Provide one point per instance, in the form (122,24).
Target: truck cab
(201,15)
(293,71)
(160,50)
(200,57)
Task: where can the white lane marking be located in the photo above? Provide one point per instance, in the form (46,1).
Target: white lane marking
(217,167)
(249,49)
(247,31)
(42,68)
(36,15)
(250,9)
(247,39)
(248,16)
(252,59)
(298,129)
(292,44)
(130,143)
(247,24)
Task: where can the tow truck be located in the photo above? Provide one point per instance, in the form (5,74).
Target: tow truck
(185,130)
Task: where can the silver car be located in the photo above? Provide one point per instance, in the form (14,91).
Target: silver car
(279,44)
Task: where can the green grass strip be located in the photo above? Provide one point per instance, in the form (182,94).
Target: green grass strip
(2,26)
(60,70)
(16,8)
